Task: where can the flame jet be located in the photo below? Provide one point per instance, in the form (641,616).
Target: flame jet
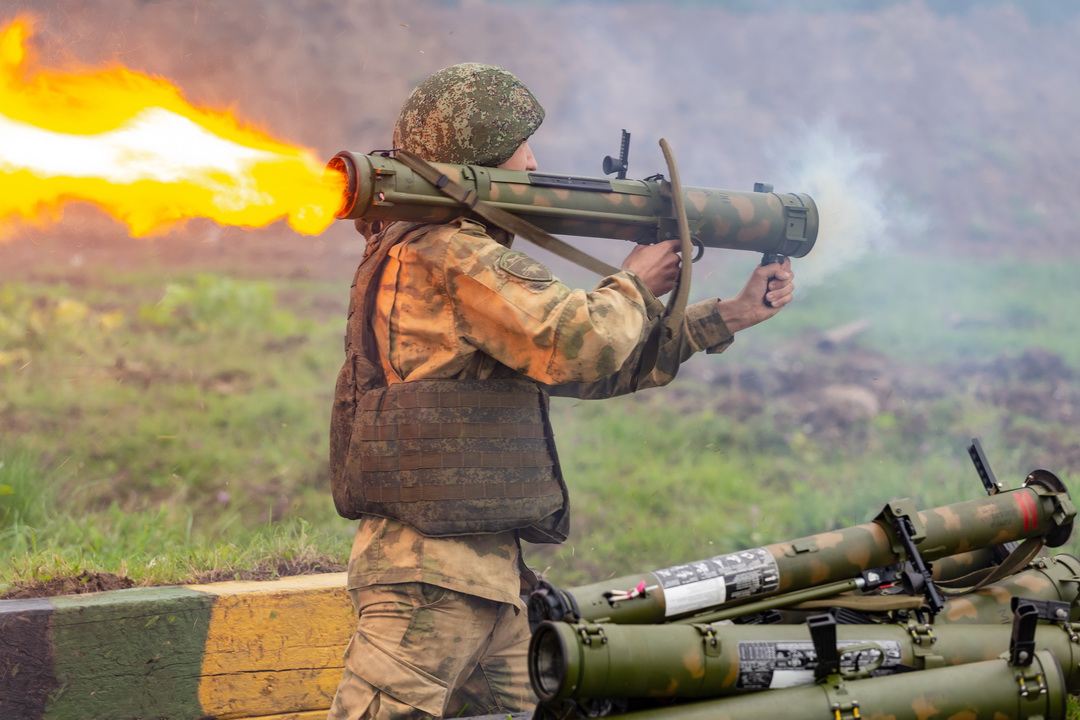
(130,144)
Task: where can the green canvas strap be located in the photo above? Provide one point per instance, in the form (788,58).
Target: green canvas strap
(1017,560)
(864,603)
(499,217)
(673,313)
(677,307)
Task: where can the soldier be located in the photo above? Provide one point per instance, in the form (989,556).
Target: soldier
(440,440)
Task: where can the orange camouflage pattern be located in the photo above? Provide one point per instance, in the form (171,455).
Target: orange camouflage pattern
(453,303)
(415,652)
(448,307)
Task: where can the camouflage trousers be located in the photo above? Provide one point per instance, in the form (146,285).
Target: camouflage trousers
(424,651)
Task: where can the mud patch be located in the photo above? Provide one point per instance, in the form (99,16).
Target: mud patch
(84,582)
(90,582)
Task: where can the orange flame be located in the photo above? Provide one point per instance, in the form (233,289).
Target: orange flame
(132,145)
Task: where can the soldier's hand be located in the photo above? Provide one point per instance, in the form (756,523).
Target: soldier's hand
(769,288)
(657,265)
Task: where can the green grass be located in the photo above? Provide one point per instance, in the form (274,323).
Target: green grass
(674,487)
(163,433)
(925,309)
(162,430)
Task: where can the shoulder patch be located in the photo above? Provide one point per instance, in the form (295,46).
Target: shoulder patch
(522,266)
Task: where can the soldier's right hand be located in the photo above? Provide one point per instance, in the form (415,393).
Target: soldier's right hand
(657,265)
(769,288)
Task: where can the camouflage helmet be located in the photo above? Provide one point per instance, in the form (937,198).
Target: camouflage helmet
(468,114)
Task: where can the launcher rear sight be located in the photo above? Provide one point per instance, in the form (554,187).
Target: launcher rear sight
(619,165)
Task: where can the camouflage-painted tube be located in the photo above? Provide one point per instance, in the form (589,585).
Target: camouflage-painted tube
(1053,578)
(955,566)
(1041,508)
(588,660)
(989,690)
(1046,578)
(379,188)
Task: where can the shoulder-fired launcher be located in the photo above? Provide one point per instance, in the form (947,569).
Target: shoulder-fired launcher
(382,189)
(833,561)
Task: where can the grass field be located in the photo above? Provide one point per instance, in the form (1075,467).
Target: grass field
(175,433)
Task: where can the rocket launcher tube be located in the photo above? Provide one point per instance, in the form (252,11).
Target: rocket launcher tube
(608,661)
(1041,508)
(1054,578)
(989,689)
(380,188)
(590,660)
(1048,578)
(977,690)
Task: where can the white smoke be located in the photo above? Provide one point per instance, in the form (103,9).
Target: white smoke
(856,216)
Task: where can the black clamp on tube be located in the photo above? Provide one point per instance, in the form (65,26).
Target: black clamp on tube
(917,576)
(548,602)
(1022,643)
(823,634)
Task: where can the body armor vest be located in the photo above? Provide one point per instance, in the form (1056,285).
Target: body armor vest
(449,457)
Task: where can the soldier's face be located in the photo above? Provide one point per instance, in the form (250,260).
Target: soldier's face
(522,159)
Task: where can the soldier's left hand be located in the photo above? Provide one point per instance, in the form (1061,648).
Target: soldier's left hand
(657,265)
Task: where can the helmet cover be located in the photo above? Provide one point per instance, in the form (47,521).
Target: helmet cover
(468,114)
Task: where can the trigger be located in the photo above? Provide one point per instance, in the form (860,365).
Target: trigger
(700,249)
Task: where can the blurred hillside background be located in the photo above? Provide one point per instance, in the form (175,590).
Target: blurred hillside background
(939,139)
(968,108)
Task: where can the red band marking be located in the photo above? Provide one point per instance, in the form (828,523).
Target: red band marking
(1027,508)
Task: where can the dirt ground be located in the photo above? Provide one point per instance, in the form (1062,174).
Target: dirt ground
(91,582)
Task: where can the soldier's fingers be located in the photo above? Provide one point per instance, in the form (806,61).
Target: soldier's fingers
(779,298)
(776,283)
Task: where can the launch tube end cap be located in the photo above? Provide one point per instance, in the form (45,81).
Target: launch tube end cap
(801,220)
(547,602)
(1064,511)
(548,661)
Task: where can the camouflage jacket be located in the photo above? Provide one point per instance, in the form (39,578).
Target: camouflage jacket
(456,304)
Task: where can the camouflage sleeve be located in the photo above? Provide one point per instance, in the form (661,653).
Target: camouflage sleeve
(656,361)
(511,307)
(595,344)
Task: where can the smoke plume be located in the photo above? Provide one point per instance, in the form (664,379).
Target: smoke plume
(856,215)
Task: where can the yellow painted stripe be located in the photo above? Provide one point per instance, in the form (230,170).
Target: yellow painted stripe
(313,715)
(275,647)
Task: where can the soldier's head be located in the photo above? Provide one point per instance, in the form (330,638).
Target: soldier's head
(470,114)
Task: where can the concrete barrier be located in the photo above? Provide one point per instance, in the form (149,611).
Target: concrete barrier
(267,650)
